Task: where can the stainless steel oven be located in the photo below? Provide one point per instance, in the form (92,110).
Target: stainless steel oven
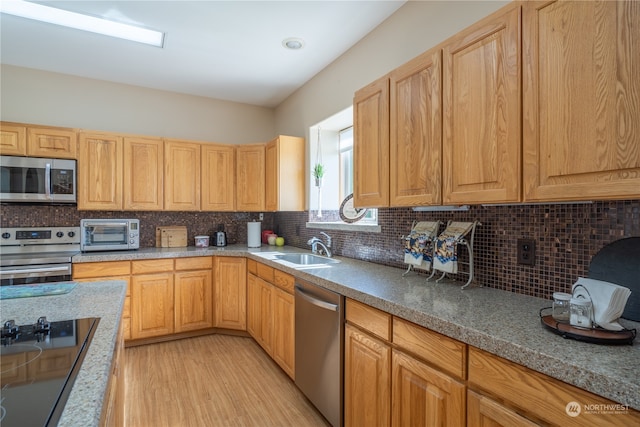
(32,179)
(31,255)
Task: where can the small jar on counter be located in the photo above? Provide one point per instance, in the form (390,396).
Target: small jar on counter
(561,307)
(580,315)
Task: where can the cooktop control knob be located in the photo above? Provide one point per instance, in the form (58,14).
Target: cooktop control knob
(71,233)
(59,234)
(6,235)
(41,329)
(9,332)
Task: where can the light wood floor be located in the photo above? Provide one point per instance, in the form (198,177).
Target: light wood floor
(215,380)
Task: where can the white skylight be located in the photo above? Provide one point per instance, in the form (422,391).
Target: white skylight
(82,22)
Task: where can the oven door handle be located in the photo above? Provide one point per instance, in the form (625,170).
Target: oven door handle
(31,271)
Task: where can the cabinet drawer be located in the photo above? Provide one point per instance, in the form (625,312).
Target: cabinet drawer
(283,280)
(252,266)
(151,266)
(265,272)
(530,391)
(373,320)
(101,269)
(444,352)
(195,263)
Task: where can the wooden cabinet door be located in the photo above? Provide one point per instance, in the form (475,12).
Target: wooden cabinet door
(581,85)
(481,111)
(265,306)
(482,411)
(13,139)
(250,177)
(416,131)
(284,331)
(181,176)
(367,380)
(218,177)
(230,292)
(193,300)
(423,396)
(100,172)
(152,299)
(284,174)
(143,174)
(57,143)
(371,145)
(253,306)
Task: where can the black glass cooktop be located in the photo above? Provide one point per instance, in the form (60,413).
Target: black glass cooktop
(39,365)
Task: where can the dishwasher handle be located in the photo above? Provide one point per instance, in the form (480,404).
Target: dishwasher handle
(315,301)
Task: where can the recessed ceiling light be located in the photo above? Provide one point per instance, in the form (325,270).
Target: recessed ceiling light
(79,21)
(293,43)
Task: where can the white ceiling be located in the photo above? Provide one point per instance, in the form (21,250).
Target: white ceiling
(230,50)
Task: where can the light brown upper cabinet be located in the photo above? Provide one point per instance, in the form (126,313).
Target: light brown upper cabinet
(581,91)
(482,111)
(284,174)
(100,171)
(371,145)
(18,139)
(416,131)
(143,174)
(57,143)
(218,177)
(13,139)
(250,177)
(181,176)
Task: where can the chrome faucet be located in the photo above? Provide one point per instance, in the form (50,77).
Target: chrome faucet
(324,248)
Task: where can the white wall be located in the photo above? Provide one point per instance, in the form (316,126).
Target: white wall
(38,97)
(413,29)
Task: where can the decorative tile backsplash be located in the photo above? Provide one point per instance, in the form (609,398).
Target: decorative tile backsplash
(197,223)
(567,235)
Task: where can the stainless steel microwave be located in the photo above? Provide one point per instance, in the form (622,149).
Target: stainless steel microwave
(32,179)
(109,234)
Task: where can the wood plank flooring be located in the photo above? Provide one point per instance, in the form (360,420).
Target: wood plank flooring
(214,380)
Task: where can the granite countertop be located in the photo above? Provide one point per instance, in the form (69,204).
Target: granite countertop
(97,299)
(500,322)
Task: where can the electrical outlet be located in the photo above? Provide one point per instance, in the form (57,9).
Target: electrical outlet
(261,216)
(526,251)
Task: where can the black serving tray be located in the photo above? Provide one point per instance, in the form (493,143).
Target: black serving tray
(595,335)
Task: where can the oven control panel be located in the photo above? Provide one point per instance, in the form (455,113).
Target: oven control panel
(39,236)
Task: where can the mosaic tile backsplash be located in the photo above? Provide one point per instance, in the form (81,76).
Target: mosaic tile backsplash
(567,235)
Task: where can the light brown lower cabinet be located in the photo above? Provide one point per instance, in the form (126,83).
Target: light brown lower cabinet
(385,385)
(230,293)
(424,396)
(193,294)
(112,270)
(367,381)
(271,313)
(482,411)
(113,404)
(152,308)
(537,397)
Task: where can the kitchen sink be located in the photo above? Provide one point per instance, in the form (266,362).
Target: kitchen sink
(306,260)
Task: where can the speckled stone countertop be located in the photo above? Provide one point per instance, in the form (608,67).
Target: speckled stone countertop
(500,322)
(98,299)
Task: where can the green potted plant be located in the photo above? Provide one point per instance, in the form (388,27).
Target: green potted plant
(318,173)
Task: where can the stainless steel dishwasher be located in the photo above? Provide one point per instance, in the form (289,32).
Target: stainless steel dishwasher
(319,348)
